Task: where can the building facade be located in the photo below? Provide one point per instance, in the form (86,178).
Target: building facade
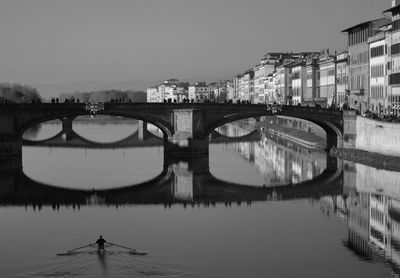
(199,92)
(342,76)
(394,66)
(153,95)
(358,51)
(232,89)
(246,86)
(311,94)
(299,81)
(379,72)
(327,70)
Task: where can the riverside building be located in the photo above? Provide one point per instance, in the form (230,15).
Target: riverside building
(379,46)
(153,95)
(199,92)
(246,86)
(260,74)
(299,81)
(358,51)
(327,69)
(394,77)
(342,76)
(232,89)
(310,96)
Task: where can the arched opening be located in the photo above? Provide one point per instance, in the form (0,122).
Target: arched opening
(43,131)
(79,162)
(104,128)
(235,129)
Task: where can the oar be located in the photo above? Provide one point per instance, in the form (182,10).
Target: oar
(122,246)
(87,245)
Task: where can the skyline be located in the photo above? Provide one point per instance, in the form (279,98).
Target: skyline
(78,45)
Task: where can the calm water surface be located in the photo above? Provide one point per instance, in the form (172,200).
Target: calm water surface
(231,229)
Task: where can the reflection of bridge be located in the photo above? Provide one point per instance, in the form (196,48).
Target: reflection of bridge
(186,127)
(67,137)
(181,181)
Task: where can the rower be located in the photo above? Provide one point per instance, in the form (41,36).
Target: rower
(100,243)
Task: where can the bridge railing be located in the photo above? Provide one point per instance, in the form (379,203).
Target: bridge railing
(314,110)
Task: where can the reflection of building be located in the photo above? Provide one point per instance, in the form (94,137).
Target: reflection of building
(282,161)
(279,161)
(372,199)
(183,182)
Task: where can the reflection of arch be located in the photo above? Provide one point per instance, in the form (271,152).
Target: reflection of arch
(253,135)
(42,141)
(163,125)
(76,140)
(46,118)
(205,187)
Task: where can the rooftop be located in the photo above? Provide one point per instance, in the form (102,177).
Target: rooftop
(377,22)
(392,9)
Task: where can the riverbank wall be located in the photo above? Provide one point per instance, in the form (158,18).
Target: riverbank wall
(300,131)
(377,136)
(371,142)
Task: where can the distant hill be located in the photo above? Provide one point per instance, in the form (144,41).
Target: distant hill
(17,93)
(55,90)
(106,96)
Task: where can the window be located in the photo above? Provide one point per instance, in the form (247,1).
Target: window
(377,51)
(395,49)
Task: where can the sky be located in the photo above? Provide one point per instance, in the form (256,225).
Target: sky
(66,45)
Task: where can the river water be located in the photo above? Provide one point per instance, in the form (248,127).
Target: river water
(260,206)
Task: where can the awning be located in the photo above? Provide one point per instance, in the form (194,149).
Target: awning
(397,106)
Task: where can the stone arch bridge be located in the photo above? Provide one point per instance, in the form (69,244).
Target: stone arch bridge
(186,126)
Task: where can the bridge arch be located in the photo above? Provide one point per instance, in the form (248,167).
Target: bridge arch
(164,126)
(333,133)
(233,118)
(45,118)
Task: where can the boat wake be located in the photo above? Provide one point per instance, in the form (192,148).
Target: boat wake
(84,264)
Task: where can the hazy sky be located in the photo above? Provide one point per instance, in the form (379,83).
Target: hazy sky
(54,41)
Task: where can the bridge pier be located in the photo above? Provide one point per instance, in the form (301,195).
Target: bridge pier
(189,137)
(67,132)
(10,146)
(10,156)
(143,133)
